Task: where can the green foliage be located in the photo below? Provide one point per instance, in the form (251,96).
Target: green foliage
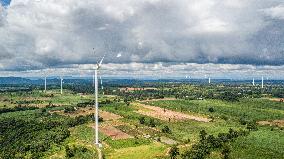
(208,143)
(20,138)
(261,144)
(142,120)
(226,151)
(75,151)
(17,108)
(152,123)
(69,109)
(166,129)
(211,109)
(229,96)
(252,126)
(174,152)
(123,143)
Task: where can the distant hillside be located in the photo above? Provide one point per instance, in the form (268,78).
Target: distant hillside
(14,80)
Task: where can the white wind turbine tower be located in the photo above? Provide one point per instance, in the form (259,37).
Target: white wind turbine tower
(61,82)
(102,87)
(253,82)
(98,66)
(93,80)
(209,80)
(262,82)
(44,75)
(45,83)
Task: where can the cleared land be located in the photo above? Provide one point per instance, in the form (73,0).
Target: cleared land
(279,123)
(114,133)
(168,115)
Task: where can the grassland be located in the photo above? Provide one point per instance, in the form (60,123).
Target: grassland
(148,140)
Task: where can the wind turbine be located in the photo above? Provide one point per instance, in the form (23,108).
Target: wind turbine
(253,82)
(45,74)
(45,84)
(262,82)
(98,66)
(93,80)
(102,87)
(61,82)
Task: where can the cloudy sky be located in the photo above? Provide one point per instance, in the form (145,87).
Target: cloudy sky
(218,38)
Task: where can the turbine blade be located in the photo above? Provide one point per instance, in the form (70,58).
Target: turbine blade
(101,61)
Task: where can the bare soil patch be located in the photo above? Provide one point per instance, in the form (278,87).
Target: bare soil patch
(109,116)
(114,133)
(168,141)
(126,89)
(279,123)
(161,99)
(168,115)
(87,111)
(277,99)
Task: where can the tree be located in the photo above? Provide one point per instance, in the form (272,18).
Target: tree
(202,135)
(252,126)
(211,110)
(152,123)
(226,151)
(166,129)
(142,120)
(174,151)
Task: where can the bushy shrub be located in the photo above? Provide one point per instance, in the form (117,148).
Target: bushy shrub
(211,110)
(174,152)
(152,123)
(166,129)
(208,143)
(142,120)
(69,109)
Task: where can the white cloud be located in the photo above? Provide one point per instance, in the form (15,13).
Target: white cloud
(55,33)
(276,12)
(160,70)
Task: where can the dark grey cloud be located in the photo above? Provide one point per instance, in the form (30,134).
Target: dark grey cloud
(50,33)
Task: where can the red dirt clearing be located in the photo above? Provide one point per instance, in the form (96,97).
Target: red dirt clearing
(162,99)
(114,133)
(279,123)
(109,116)
(277,99)
(165,114)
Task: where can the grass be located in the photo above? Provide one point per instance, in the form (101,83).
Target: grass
(153,150)
(184,130)
(261,144)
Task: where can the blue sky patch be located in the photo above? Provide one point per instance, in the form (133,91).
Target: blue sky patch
(5,2)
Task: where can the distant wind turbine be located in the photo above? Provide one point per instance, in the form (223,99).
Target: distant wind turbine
(45,84)
(262,82)
(45,74)
(93,80)
(253,82)
(61,82)
(102,87)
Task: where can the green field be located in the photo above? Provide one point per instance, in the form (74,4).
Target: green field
(41,124)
